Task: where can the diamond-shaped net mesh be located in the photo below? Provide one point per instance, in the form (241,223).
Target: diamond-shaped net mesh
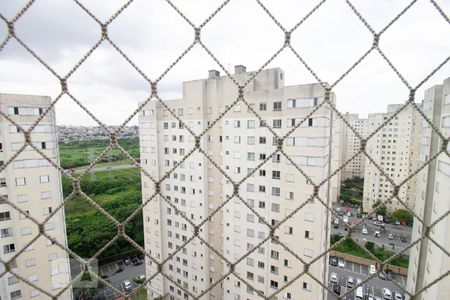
(197,236)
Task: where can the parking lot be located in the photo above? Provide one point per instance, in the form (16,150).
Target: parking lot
(373,287)
(116,273)
(394,244)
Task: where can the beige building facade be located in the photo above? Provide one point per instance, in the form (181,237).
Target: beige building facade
(33,185)
(394,150)
(427,261)
(355,168)
(238,143)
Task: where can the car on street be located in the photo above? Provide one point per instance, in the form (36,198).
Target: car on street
(377,223)
(137,263)
(372,269)
(141,277)
(398,296)
(349,214)
(350,282)
(119,270)
(358,215)
(390,273)
(382,275)
(341,263)
(387,294)
(390,236)
(336,223)
(364,230)
(334,278)
(127,261)
(337,289)
(127,286)
(376,234)
(333,261)
(338,209)
(403,238)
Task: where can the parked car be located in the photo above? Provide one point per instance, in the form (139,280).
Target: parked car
(119,270)
(397,223)
(387,295)
(127,286)
(349,214)
(403,238)
(333,278)
(376,234)
(337,289)
(141,277)
(350,282)
(390,273)
(390,236)
(137,263)
(358,215)
(398,296)
(377,223)
(364,230)
(338,209)
(333,261)
(382,275)
(126,261)
(372,269)
(341,263)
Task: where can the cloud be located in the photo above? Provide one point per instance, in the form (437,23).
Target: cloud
(153,36)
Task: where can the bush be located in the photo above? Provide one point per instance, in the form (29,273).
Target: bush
(402,215)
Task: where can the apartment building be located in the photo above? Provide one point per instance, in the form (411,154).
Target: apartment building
(238,143)
(33,185)
(427,262)
(394,150)
(355,168)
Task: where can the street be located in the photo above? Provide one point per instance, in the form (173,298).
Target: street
(397,230)
(372,287)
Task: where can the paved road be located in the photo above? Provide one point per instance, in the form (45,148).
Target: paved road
(116,279)
(396,230)
(372,287)
(100,169)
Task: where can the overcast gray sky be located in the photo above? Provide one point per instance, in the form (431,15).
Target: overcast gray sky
(153,35)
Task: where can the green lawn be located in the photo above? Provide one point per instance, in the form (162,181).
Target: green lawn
(352,190)
(77,153)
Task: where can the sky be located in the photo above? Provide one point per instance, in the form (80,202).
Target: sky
(153,35)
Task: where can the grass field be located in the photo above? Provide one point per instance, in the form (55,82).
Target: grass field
(79,153)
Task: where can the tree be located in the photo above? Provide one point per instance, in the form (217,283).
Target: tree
(380,208)
(401,215)
(370,246)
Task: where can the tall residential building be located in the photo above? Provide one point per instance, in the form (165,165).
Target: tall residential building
(394,149)
(355,168)
(237,143)
(32,184)
(427,262)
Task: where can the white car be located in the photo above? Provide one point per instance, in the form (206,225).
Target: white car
(349,214)
(341,263)
(390,236)
(372,270)
(127,286)
(333,278)
(350,282)
(398,296)
(338,209)
(364,231)
(377,234)
(387,295)
(141,277)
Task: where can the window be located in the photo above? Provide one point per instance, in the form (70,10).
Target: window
(309,217)
(308,235)
(237,123)
(250,123)
(44,178)
(263,106)
(2,182)
(275,191)
(9,248)
(46,211)
(4,216)
(290,177)
(250,140)
(26,230)
(251,156)
(276,174)
(22,198)
(45,195)
(287,295)
(275,207)
(277,106)
(277,123)
(6,232)
(307,286)
(288,230)
(12,280)
(276,158)
(290,195)
(20,181)
(307,252)
(262,139)
(16,294)
(262,173)
(52,256)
